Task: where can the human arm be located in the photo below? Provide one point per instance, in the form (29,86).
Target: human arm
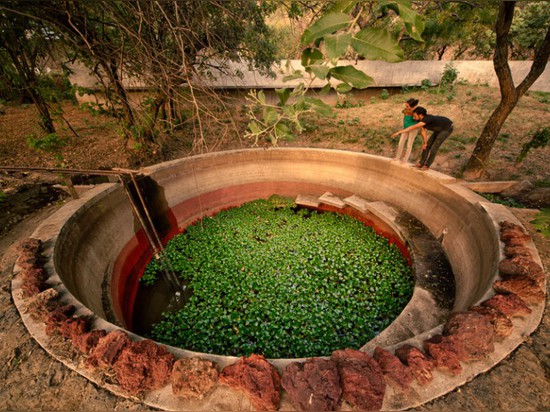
(408,129)
(424,135)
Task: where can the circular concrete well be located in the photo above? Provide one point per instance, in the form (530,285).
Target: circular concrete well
(96,249)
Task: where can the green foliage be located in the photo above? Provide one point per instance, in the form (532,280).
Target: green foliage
(425,84)
(284,282)
(542,222)
(51,143)
(3,196)
(502,200)
(449,76)
(541,97)
(333,36)
(539,139)
(384,94)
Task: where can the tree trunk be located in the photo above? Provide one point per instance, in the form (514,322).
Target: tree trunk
(510,95)
(30,89)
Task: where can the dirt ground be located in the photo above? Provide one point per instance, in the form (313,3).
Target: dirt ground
(31,380)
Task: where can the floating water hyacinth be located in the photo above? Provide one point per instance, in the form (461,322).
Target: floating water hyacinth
(274,279)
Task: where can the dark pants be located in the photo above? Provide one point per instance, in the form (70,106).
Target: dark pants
(436,139)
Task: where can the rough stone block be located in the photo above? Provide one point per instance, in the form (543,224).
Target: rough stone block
(517,251)
(313,385)
(420,365)
(393,368)
(256,377)
(193,377)
(472,335)
(143,366)
(87,341)
(511,305)
(523,286)
(41,304)
(108,349)
(502,325)
(363,383)
(444,354)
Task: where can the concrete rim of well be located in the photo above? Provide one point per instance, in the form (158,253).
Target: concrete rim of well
(443,383)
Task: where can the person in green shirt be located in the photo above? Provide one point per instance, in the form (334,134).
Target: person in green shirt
(409,136)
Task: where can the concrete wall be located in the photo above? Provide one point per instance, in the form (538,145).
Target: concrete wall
(388,75)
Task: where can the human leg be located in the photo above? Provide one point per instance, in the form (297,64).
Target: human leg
(402,139)
(425,153)
(439,139)
(410,141)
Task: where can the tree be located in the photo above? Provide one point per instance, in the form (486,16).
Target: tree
(170,46)
(510,94)
(24,44)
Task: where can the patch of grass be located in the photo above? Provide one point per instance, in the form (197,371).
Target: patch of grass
(502,200)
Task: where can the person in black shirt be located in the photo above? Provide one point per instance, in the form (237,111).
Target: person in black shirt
(441,126)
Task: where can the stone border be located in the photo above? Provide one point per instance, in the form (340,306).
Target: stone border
(66,326)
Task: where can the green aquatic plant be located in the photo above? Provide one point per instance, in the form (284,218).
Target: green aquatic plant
(271,278)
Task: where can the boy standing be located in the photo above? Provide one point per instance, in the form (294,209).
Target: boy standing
(441,126)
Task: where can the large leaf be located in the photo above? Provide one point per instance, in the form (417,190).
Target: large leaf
(327,24)
(416,29)
(413,21)
(337,44)
(296,75)
(352,76)
(345,6)
(377,44)
(319,106)
(311,55)
(319,70)
(283,94)
(343,88)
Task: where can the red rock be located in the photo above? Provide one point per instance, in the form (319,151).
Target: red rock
(74,327)
(530,268)
(393,368)
(108,349)
(87,341)
(507,234)
(193,377)
(420,366)
(256,377)
(143,366)
(28,254)
(30,244)
(523,286)
(502,325)
(33,273)
(519,266)
(363,384)
(511,305)
(313,385)
(56,317)
(444,354)
(515,251)
(40,305)
(33,281)
(471,334)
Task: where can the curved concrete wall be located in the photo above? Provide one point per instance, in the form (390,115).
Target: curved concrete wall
(83,242)
(88,245)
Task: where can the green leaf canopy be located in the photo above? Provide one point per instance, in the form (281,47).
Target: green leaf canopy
(377,44)
(352,76)
(328,24)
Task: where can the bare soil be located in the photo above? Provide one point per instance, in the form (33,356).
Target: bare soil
(31,380)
